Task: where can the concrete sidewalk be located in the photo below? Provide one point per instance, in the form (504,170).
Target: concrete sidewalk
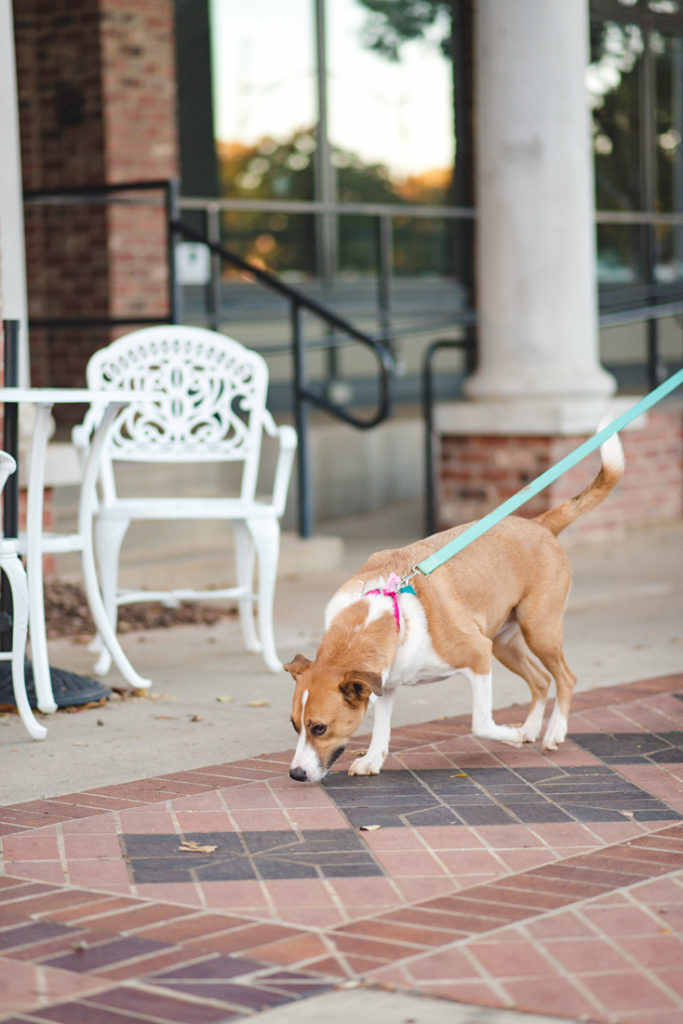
(624,622)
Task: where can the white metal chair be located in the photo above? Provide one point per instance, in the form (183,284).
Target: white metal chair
(11,565)
(211,407)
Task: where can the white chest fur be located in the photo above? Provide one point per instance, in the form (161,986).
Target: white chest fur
(415,661)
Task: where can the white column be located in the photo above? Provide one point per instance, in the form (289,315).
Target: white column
(535,199)
(13,304)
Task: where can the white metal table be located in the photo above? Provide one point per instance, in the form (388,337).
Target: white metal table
(37,543)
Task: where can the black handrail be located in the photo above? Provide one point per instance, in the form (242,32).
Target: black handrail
(299,299)
(303,396)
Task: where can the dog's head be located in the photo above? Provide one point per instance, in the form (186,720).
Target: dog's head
(328,706)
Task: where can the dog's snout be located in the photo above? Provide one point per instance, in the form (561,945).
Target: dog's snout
(298,774)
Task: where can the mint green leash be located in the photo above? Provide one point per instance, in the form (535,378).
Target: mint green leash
(428,565)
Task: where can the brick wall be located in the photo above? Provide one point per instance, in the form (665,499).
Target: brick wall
(96,85)
(479,473)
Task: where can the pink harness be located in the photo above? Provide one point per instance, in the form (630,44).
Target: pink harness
(392,589)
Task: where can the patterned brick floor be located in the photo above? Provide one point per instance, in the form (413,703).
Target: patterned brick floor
(508,878)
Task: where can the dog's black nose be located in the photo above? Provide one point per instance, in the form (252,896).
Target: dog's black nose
(298,774)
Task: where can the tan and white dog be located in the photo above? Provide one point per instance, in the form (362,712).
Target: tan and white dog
(504,595)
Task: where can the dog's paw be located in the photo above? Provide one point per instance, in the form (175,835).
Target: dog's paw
(510,735)
(556,732)
(531,729)
(366,765)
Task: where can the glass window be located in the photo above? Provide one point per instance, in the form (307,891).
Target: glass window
(390,120)
(612,81)
(613,84)
(668,60)
(264,97)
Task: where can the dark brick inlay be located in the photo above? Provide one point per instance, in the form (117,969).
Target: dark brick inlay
(273,854)
(494,796)
(94,958)
(633,747)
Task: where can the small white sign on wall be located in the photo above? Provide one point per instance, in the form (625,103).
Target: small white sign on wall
(193,263)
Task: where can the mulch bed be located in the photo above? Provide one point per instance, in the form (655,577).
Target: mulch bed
(67,614)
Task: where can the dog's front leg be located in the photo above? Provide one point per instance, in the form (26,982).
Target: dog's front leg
(371,762)
(482,712)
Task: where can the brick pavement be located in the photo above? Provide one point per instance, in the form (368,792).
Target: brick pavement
(468,871)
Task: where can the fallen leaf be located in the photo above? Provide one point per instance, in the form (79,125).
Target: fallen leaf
(224,700)
(173,718)
(196,718)
(258,704)
(460,775)
(369,828)
(192,846)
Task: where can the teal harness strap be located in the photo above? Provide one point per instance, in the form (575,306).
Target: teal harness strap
(432,562)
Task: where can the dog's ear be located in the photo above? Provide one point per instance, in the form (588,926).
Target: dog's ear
(297,665)
(356,686)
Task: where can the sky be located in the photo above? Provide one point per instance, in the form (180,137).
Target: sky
(399,114)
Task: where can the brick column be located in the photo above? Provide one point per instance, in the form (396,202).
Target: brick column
(97,101)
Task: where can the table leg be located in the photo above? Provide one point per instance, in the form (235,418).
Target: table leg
(34,561)
(87,506)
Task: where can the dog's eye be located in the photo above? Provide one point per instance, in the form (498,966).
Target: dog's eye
(318,730)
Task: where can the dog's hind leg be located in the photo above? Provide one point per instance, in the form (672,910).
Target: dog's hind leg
(511,650)
(541,623)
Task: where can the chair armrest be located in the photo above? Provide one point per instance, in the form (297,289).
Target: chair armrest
(283,470)
(81,438)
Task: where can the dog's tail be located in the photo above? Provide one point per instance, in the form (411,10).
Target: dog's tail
(611,471)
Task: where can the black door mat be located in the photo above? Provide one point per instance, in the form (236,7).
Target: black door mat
(70,690)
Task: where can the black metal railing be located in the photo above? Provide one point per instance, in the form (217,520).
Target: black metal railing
(383,217)
(303,395)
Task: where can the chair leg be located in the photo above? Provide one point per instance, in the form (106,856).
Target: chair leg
(109,536)
(266,537)
(39,653)
(245,561)
(14,571)
(34,562)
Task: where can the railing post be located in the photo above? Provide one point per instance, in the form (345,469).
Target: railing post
(301,421)
(213,232)
(656,371)
(10,424)
(172,216)
(428,420)
(10,494)
(385,245)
